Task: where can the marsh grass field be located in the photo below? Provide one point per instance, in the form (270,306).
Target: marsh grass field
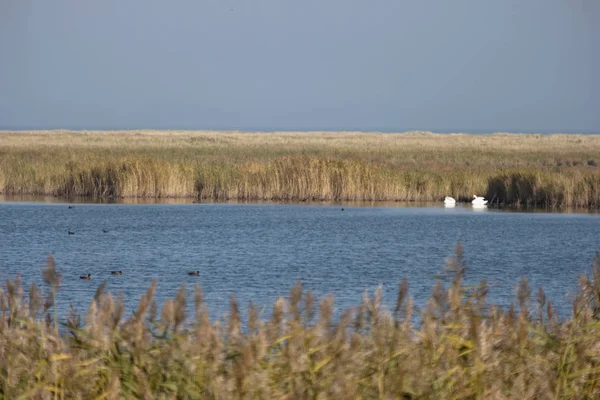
(543,170)
(462,348)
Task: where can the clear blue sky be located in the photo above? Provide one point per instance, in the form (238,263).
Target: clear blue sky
(391,65)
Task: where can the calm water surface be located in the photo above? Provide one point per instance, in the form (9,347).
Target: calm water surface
(258,251)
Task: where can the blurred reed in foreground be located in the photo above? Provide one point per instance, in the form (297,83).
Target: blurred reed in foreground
(527,170)
(464,348)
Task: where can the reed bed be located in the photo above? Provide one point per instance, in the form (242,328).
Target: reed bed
(515,169)
(462,348)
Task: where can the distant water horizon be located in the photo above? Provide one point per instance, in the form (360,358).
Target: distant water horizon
(299,129)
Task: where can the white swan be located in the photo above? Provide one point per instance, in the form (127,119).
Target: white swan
(449,201)
(478,201)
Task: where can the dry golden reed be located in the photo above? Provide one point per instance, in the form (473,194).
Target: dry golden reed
(463,348)
(516,169)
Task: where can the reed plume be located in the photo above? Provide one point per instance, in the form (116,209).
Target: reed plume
(458,346)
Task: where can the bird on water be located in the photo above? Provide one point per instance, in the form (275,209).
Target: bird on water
(116,272)
(86,277)
(196,273)
(478,201)
(449,200)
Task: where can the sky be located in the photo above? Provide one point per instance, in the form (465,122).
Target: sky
(368,65)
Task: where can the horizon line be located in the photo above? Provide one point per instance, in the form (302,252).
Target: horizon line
(275,130)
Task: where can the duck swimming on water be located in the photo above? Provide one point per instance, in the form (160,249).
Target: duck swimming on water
(116,272)
(86,277)
(196,273)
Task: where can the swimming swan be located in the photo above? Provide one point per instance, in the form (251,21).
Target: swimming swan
(478,201)
(449,200)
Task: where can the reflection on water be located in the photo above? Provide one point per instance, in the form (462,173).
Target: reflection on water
(369,204)
(258,251)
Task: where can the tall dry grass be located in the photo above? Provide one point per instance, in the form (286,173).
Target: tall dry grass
(464,348)
(533,170)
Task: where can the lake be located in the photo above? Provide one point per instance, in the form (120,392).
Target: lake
(258,251)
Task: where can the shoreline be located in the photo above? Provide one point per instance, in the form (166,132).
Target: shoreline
(544,170)
(189,201)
